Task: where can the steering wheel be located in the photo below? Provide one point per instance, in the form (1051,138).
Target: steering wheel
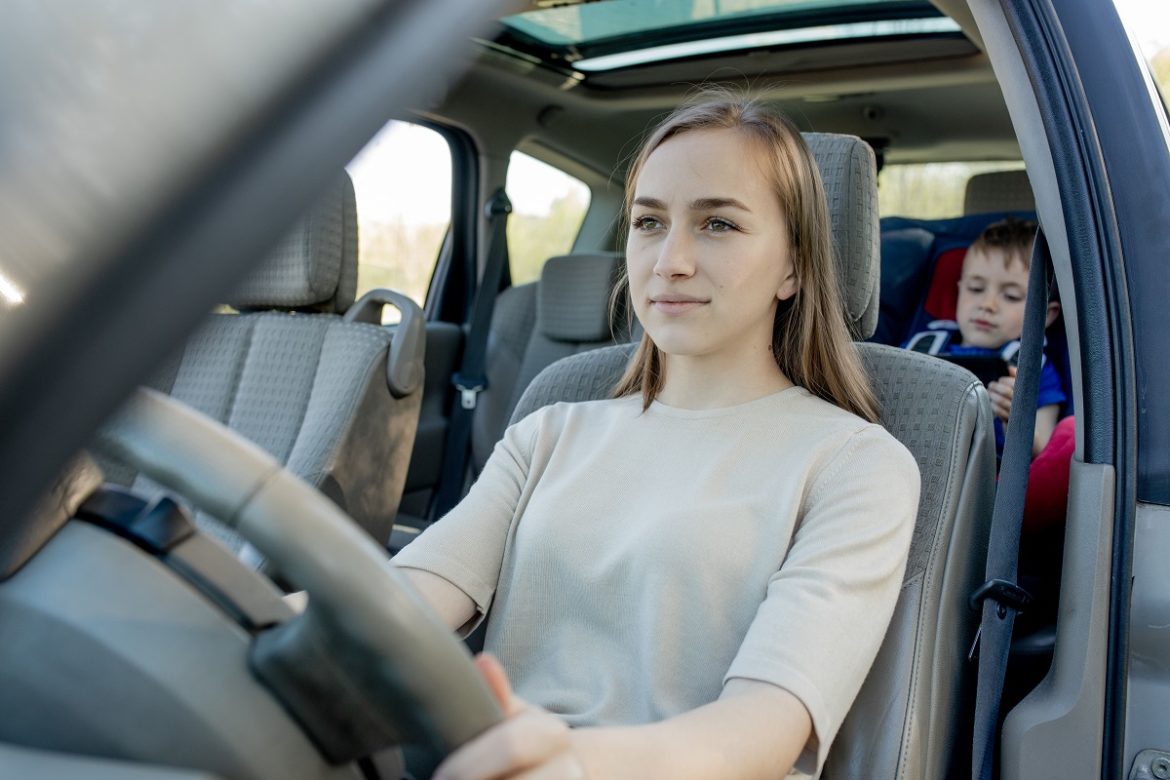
(365,631)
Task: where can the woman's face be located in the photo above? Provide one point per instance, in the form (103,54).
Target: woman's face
(708,252)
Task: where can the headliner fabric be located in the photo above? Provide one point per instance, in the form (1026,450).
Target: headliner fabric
(849,172)
(315,264)
(571,289)
(999,191)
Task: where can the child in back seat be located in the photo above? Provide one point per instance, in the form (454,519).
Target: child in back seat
(989,320)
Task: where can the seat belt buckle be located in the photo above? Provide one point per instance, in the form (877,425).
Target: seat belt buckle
(469,390)
(1003,593)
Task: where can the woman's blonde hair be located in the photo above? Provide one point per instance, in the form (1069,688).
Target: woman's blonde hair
(810,338)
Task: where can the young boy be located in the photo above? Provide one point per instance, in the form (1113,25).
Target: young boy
(989,319)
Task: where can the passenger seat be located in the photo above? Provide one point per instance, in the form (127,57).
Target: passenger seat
(536,324)
(533,325)
(333,398)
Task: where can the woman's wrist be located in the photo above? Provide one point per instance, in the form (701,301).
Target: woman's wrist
(621,752)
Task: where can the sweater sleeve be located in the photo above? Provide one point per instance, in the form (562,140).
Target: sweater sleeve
(466,546)
(826,610)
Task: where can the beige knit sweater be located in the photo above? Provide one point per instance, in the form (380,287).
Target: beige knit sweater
(634,561)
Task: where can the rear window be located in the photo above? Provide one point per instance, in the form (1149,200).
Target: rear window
(930,190)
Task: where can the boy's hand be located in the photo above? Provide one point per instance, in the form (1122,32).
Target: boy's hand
(1001,391)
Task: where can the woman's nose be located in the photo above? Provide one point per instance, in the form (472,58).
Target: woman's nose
(675,257)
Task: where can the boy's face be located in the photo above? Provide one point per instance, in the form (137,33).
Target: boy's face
(990,311)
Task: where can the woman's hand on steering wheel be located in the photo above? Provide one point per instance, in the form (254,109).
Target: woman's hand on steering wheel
(530,743)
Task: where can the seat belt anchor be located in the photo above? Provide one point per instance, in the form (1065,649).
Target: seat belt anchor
(1004,593)
(498,204)
(469,390)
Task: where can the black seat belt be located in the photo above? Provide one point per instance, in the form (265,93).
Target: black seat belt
(1000,598)
(471,379)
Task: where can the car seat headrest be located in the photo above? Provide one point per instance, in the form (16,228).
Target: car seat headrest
(849,172)
(574,293)
(315,265)
(998,191)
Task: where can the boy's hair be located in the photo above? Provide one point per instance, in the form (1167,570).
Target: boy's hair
(1012,236)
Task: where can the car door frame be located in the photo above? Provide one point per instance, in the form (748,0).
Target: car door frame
(1097,156)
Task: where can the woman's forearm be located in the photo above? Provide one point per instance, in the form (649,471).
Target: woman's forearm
(755,731)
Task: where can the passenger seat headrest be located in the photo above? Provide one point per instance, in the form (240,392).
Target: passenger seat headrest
(315,265)
(999,191)
(574,292)
(849,172)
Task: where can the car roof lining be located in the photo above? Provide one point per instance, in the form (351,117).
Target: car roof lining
(953,112)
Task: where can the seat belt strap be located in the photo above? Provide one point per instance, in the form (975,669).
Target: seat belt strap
(471,379)
(1000,598)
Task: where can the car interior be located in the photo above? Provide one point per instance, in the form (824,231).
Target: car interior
(165,573)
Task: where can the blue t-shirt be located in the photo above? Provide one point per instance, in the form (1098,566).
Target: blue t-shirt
(942,339)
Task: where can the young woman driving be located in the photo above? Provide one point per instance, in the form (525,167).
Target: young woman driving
(692,578)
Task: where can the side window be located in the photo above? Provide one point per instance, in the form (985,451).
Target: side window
(930,190)
(1149,31)
(402,180)
(548,206)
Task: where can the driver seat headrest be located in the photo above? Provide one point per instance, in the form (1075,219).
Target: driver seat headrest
(849,173)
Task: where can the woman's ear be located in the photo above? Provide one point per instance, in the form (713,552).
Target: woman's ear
(788,287)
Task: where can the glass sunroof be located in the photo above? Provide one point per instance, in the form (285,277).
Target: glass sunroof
(613,34)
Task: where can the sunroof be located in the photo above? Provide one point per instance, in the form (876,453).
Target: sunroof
(612,34)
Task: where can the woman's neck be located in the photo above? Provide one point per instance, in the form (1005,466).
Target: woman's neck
(716,381)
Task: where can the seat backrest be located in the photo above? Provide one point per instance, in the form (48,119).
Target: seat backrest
(533,325)
(906,720)
(311,387)
(998,191)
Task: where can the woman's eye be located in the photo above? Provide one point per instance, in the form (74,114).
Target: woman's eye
(646,223)
(717,225)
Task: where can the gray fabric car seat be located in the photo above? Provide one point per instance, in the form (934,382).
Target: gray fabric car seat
(533,325)
(998,191)
(907,718)
(315,389)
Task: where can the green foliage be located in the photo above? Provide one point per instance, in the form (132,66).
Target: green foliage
(398,256)
(1160,67)
(929,190)
(402,256)
(533,239)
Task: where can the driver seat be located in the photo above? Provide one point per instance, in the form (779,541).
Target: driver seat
(907,719)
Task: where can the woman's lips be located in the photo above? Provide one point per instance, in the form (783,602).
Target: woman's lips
(676,307)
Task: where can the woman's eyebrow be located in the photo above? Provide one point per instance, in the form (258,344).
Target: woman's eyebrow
(705,204)
(650,203)
(701,204)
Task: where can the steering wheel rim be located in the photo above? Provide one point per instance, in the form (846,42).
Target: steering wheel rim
(355,594)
